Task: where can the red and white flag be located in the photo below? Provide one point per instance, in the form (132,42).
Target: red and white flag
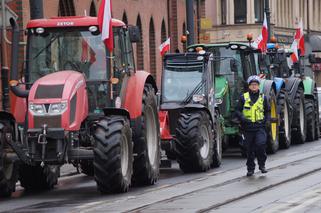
(165,47)
(105,24)
(298,43)
(261,41)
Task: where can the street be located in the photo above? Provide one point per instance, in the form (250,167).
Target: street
(293,184)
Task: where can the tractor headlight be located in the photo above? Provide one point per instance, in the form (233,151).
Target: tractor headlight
(198,98)
(57,108)
(37,109)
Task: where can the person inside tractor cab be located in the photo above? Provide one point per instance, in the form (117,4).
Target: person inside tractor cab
(253,112)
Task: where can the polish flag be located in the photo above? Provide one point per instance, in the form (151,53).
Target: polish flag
(165,47)
(298,43)
(261,41)
(105,24)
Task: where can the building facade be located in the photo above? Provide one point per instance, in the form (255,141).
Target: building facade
(232,20)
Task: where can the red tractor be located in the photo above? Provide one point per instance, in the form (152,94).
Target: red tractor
(79,104)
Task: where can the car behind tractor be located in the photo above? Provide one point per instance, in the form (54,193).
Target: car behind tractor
(190,127)
(79,104)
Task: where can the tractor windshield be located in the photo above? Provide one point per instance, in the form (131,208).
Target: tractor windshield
(57,49)
(180,81)
(223,56)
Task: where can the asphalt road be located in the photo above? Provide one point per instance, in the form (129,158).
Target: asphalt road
(293,184)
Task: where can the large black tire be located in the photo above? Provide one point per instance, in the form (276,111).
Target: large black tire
(87,167)
(317,121)
(218,141)
(194,142)
(285,119)
(310,118)
(298,124)
(113,154)
(36,178)
(272,127)
(8,169)
(147,141)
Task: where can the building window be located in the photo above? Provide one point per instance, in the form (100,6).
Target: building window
(139,46)
(223,11)
(239,11)
(66,8)
(163,32)
(259,10)
(125,20)
(92,11)
(152,48)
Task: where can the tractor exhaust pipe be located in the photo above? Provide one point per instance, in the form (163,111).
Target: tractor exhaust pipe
(14,85)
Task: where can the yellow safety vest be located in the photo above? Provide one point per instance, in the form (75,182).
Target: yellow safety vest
(253,112)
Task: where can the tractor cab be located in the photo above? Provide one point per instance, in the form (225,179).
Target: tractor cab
(75,44)
(186,79)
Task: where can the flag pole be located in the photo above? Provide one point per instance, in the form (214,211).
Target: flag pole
(268,18)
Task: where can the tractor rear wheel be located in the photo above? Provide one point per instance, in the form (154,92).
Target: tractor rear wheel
(218,141)
(113,154)
(35,178)
(298,133)
(147,141)
(8,168)
(310,117)
(285,120)
(273,130)
(194,141)
(317,121)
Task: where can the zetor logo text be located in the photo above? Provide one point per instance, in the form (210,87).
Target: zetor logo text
(65,23)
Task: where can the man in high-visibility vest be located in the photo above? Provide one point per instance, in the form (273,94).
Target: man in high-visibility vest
(253,112)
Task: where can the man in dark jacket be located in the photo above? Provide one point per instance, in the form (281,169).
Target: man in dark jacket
(253,112)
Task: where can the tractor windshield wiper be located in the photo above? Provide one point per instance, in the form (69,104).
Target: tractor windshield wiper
(196,90)
(46,47)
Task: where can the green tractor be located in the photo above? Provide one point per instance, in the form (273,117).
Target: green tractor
(234,63)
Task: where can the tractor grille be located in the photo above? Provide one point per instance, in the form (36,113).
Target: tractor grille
(49,91)
(51,121)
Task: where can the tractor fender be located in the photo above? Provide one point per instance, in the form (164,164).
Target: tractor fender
(292,85)
(133,94)
(266,86)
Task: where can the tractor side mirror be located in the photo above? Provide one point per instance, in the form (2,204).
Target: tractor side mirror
(233,65)
(134,34)
(312,58)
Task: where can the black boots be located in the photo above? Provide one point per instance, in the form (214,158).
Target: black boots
(249,173)
(263,170)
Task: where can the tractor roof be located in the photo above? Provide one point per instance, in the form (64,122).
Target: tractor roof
(228,44)
(186,58)
(70,21)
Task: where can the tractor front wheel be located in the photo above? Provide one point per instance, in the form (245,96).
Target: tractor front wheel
(218,137)
(194,142)
(273,130)
(8,168)
(113,154)
(299,120)
(310,116)
(147,141)
(285,120)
